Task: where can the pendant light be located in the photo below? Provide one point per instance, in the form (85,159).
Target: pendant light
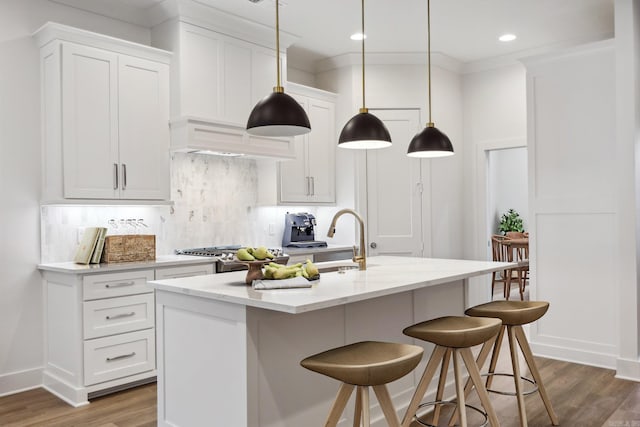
(430,142)
(364,130)
(278,114)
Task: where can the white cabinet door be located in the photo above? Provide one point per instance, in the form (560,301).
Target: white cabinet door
(237,73)
(293,178)
(201,81)
(321,149)
(143,100)
(89,122)
(310,178)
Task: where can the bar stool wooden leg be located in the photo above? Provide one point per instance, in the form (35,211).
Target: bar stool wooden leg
(528,356)
(339,404)
(357,412)
(459,389)
(366,418)
(441,383)
(494,357)
(482,358)
(421,389)
(474,375)
(516,377)
(386,405)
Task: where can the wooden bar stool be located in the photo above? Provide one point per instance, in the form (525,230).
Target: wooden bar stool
(513,315)
(453,336)
(365,364)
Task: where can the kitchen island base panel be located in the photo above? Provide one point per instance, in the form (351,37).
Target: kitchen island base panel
(239,365)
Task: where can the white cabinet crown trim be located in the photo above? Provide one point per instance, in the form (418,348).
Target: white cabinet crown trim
(53,31)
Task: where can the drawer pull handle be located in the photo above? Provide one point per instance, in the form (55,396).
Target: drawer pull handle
(118,316)
(119,285)
(122,356)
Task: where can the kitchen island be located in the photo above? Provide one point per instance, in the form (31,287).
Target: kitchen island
(229,355)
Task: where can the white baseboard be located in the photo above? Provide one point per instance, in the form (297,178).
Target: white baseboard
(628,369)
(16,382)
(568,354)
(72,395)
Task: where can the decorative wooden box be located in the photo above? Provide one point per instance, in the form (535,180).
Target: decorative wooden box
(129,248)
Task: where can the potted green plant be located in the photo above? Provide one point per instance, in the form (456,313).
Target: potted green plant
(510,221)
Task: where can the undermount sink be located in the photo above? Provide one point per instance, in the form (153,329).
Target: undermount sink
(331,266)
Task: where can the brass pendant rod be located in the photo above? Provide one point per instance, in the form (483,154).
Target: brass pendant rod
(429,54)
(279,84)
(363,103)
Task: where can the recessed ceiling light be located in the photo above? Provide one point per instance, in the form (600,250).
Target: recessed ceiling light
(507,37)
(358,36)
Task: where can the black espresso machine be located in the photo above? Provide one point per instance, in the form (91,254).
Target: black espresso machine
(299,231)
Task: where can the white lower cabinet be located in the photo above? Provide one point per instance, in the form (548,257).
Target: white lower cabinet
(100,329)
(119,356)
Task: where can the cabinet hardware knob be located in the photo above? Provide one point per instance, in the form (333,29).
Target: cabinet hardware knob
(373,245)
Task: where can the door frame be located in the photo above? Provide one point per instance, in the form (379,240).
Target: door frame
(482,187)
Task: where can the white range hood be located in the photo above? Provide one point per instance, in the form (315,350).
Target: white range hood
(198,135)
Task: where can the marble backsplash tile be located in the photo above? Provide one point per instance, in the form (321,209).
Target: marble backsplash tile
(215,203)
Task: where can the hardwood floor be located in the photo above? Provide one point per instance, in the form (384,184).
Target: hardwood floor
(582,396)
(130,408)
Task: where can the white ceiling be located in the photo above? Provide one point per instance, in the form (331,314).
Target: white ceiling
(466,30)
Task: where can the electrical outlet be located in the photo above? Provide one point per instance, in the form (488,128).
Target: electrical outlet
(272,229)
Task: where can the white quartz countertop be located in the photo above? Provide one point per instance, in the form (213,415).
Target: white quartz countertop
(385,275)
(160,261)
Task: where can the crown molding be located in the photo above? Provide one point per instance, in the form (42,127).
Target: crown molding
(399,58)
(202,15)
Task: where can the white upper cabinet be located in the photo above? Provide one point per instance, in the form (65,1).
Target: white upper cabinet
(106,114)
(310,178)
(216,80)
(217,77)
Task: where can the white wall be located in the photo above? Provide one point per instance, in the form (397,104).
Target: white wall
(507,186)
(495,117)
(21,333)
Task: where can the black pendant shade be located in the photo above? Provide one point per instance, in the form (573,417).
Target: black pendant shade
(278,114)
(430,143)
(364,131)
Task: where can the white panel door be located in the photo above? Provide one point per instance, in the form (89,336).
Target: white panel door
(144,129)
(89,122)
(394,189)
(321,151)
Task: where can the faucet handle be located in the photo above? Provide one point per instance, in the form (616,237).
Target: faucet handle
(355,252)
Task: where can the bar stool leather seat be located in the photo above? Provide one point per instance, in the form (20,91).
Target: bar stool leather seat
(511,312)
(455,331)
(365,364)
(454,336)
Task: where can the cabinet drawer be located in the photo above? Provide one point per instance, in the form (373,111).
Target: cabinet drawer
(97,286)
(186,271)
(119,356)
(117,315)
